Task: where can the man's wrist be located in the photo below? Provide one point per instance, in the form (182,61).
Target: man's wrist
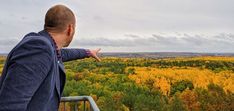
(88,52)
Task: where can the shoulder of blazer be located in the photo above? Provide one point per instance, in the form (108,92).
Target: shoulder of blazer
(35,37)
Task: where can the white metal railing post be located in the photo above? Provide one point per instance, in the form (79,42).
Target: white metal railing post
(92,103)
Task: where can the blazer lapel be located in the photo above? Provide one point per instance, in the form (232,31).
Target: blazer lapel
(60,76)
(61,66)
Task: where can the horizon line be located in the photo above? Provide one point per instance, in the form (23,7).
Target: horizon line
(158,52)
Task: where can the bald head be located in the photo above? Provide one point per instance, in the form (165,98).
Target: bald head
(58,18)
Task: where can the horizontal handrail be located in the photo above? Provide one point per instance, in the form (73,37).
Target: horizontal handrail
(93,105)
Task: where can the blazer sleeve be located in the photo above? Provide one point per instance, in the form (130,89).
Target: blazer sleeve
(28,67)
(73,54)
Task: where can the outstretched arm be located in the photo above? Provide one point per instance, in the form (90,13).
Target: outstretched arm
(74,53)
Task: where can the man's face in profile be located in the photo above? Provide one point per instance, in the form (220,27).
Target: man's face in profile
(70,37)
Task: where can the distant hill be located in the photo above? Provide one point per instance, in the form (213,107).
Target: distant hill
(3,54)
(162,54)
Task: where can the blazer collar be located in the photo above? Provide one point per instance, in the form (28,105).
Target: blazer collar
(47,35)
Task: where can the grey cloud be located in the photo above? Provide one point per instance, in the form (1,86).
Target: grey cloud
(103,42)
(225,37)
(164,40)
(7,44)
(195,40)
(132,35)
(98,18)
(155,42)
(200,43)
(8,41)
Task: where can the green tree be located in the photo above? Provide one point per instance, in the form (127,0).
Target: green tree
(180,86)
(176,104)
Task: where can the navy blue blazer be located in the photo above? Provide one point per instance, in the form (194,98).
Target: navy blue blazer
(33,78)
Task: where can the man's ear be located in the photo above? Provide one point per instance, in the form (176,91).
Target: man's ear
(70,29)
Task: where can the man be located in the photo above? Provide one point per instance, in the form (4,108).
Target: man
(33,77)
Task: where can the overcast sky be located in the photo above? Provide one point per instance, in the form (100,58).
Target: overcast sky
(129,25)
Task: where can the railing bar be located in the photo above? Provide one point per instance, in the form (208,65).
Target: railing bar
(90,108)
(76,106)
(81,98)
(64,108)
(84,106)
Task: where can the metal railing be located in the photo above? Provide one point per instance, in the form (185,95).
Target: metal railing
(77,99)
